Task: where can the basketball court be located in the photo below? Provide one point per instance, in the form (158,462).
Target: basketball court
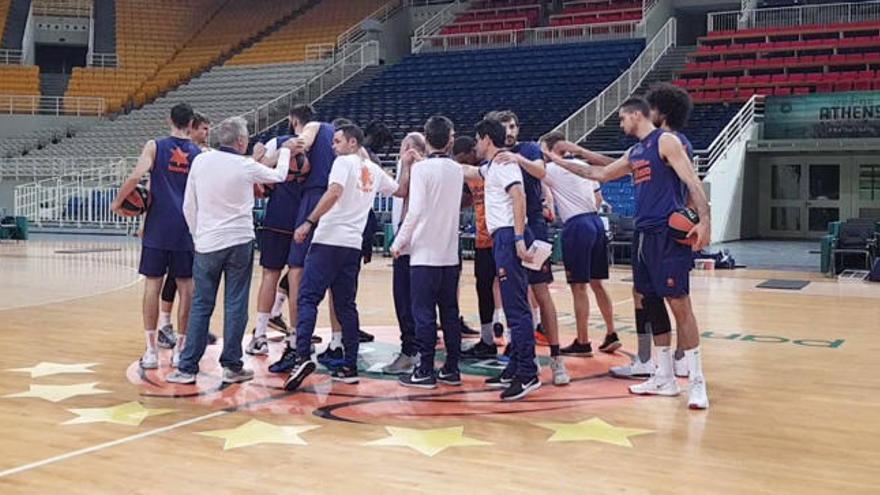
(794,395)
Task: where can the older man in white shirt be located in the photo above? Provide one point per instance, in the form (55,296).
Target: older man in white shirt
(218,209)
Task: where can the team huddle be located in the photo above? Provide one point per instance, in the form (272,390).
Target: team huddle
(321,182)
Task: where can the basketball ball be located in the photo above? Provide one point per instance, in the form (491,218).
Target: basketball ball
(299,168)
(137,202)
(680,223)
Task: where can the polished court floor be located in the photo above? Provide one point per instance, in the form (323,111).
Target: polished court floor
(792,378)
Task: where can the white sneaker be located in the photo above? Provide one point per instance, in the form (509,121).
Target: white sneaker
(560,376)
(656,386)
(150,359)
(239,376)
(681,367)
(258,346)
(697,396)
(181,378)
(175,358)
(635,369)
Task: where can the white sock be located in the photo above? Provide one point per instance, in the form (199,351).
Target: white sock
(336,340)
(496,317)
(507,335)
(664,362)
(487,335)
(536,316)
(280,299)
(262,325)
(695,363)
(164,319)
(181,343)
(151,339)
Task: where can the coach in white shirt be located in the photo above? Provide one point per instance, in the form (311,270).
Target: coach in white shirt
(430,233)
(334,256)
(218,206)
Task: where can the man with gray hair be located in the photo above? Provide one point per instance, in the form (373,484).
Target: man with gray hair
(218,209)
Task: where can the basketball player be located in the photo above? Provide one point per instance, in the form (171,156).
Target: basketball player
(506,220)
(584,246)
(412,149)
(430,234)
(333,261)
(167,246)
(664,177)
(488,299)
(529,157)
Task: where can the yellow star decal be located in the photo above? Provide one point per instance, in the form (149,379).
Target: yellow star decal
(427,442)
(58,393)
(592,429)
(49,369)
(255,432)
(130,413)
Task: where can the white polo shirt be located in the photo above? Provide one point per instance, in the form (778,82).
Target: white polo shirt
(343,225)
(430,229)
(500,177)
(572,193)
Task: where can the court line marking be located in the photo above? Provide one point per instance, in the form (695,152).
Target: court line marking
(112,443)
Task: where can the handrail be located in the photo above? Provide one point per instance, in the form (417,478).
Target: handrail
(108,60)
(435,23)
(356,32)
(732,132)
(37,169)
(79,106)
(63,8)
(590,116)
(10,57)
(801,15)
(319,51)
(532,36)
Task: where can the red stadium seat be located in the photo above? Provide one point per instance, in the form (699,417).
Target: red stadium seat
(843,86)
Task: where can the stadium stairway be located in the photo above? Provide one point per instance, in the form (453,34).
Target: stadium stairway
(16,20)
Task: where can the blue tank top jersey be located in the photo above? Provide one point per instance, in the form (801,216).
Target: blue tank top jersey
(165,227)
(321,157)
(534,196)
(658,190)
(284,200)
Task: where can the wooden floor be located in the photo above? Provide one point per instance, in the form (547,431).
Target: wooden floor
(793,380)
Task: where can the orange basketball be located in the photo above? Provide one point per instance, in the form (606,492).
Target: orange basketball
(680,224)
(137,202)
(299,168)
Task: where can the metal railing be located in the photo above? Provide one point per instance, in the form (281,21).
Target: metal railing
(79,106)
(36,169)
(107,60)
(533,36)
(63,8)
(732,133)
(319,51)
(277,110)
(10,57)
(835,13)
(647,7)
(356,32)
(435,23)
(593,114)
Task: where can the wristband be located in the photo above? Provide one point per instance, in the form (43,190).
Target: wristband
(518,238)
(310,222)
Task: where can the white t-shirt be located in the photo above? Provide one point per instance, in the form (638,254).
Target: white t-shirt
(573,194)
(219,199)
(430,228)
(343,225)
(499,205)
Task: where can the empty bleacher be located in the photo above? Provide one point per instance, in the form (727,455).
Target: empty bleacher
(734,65)
(495,17)
(4,11)
(580,12)
(18,81)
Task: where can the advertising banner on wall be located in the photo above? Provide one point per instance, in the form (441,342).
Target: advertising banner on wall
(823,116)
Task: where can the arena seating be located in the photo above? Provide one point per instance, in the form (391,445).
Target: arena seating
(321,24)
(18,80)
(734,65)
(580,12)
(493,17)
(4,10)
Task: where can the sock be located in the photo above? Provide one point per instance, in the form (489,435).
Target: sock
(679,354)
(695,363)
(664,363)
(496,317)
(181,343)
(262,325)
(336,340)
(151,339)
(487,335)
(536,316)
(280,299)
(554,350)
(644,335)
(164,319)
(507,335)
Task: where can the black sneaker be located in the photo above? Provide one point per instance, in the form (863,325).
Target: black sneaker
(166,338)
(365,337)
(481,350)
(332,358)
(517,389)
(302,369)
(279,324)
(611,343)
(212,338)
(498,329)
(467,331)
(539,328)
(345,374)
(286,363)
(419,379)
(578,349)
(501,381)
(449,377)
